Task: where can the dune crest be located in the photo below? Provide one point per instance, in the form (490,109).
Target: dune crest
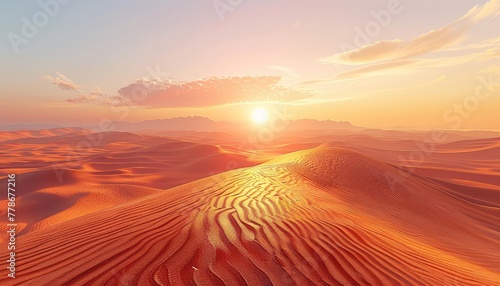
(291,227)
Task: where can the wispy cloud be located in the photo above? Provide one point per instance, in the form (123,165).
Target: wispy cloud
(437,80)
(399,67)
(375,69)
(399,49)
(285,70)
(384,55)
(377,51)
(156,93)
(482,13)
(62,82)
(483,45)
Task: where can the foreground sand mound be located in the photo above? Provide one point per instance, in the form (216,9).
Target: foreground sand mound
(324,216)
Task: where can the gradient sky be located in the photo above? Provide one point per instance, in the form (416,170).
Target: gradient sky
(433,64)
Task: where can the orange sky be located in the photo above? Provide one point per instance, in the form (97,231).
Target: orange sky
(378,64)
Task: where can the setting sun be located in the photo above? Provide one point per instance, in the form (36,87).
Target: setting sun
(250,142)
(260,116)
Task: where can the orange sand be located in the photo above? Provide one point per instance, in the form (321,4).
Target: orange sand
(146,210)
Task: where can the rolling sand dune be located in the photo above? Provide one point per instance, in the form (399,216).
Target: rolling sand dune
(323,216)
(12,135)
(58,182)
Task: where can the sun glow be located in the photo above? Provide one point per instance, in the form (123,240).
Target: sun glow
(260,116)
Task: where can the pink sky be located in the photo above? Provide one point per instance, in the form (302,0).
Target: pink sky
(380,64)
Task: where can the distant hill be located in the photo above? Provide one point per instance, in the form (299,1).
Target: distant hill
(198,123)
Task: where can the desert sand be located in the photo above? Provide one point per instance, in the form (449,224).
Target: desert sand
(316,209)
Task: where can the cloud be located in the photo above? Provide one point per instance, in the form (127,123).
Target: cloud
(483,13)
(96,97)
(285,70)
(373,52)
(395,56)
(490,43)
(410,65)
(157,93)
(437,80)
(425,43)
(376,68)
(63,82)
(399,49)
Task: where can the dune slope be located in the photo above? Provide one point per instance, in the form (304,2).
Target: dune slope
(323,216)
(58,183)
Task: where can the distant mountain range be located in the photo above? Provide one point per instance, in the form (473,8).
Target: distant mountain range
(198,123)
(194,123)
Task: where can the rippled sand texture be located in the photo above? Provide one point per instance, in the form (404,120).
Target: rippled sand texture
(321,216)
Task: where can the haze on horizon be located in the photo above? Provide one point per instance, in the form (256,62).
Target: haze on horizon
(376,64)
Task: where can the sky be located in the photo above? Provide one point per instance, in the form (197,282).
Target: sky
(378,64)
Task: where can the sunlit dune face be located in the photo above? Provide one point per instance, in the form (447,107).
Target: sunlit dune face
(260,116)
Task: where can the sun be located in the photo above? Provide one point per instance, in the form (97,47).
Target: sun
(260,116)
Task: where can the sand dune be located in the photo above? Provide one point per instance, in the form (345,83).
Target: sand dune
(59,182)
(12,135)
(324,216)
